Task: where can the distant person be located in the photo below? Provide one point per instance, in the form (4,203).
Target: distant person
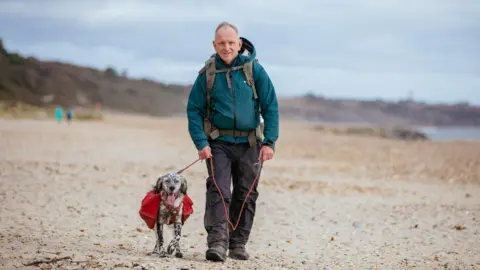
(59,114)
(69,115)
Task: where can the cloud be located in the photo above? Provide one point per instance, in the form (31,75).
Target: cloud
(432,13)
(337,48)
(270,11)
(171,70)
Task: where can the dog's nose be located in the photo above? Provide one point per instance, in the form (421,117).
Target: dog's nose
(172,188)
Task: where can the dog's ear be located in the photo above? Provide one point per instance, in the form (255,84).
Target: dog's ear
(184,185)
(159,185)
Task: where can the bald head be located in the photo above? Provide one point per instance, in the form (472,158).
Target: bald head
(227,43)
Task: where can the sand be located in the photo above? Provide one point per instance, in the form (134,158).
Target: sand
(73,193)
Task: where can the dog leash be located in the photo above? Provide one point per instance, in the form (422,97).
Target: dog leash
(182,170)
(234,227)
(244,201)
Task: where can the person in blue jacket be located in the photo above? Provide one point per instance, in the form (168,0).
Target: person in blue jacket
(59,114)
(229,96)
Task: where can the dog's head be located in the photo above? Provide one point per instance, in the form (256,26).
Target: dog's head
(171,184)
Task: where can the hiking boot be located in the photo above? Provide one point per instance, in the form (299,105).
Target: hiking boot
(216,253)
(238,253)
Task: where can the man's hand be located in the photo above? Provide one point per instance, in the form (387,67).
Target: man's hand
(266,153)
(205,153)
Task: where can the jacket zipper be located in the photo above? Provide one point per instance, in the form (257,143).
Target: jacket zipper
(234,110)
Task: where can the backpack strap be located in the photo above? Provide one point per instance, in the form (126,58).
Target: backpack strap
(210,81)
(248,71)
(210,71)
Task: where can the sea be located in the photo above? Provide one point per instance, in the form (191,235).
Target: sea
(446,133)
(451,133)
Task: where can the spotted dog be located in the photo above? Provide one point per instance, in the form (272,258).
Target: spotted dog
(172,188)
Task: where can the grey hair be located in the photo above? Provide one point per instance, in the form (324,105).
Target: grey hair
(226,24)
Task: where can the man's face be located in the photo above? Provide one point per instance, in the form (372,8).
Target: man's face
(227,44)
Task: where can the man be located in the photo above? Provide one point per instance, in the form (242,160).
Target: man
(222,130)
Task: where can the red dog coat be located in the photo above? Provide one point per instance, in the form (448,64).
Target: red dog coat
(150,204)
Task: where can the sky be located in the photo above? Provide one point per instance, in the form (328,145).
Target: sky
(368,49)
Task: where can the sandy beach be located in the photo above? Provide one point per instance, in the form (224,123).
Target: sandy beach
(73,193)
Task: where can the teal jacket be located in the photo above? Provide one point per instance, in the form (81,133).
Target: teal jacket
(234,108)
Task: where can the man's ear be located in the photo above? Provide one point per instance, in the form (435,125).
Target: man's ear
(159,185)
(184,186)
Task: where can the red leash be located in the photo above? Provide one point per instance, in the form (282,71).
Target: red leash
(220,192)
(179,172)
(223,200)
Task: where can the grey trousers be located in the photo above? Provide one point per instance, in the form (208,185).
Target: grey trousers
(232,163)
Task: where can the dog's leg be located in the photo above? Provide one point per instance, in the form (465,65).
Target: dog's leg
(174,245)
(159,248)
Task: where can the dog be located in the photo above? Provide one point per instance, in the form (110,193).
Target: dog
(172,188)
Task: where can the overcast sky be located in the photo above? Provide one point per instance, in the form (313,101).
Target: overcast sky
(364,49)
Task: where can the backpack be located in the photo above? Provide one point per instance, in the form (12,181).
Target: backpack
(211,71)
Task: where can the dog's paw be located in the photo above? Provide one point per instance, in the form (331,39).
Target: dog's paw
(158,252)
(174,248)
(162,253)
(171,248)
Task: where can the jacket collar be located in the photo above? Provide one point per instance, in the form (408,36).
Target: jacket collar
(239,60)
